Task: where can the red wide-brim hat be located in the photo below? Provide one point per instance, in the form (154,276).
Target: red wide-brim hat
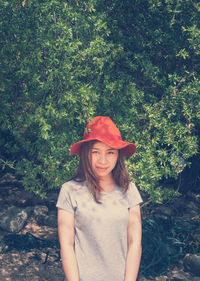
(103,129)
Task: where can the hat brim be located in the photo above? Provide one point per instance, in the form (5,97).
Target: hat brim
(127,147)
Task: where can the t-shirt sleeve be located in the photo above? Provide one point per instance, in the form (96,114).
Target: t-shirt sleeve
(133,195)
(66,199)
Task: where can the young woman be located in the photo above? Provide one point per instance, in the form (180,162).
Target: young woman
(99,222)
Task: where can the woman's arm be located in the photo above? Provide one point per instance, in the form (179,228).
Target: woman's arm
(66,238)
(134,244)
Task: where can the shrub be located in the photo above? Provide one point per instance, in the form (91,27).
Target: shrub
(65,62)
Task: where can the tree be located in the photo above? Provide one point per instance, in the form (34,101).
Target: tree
(66,61)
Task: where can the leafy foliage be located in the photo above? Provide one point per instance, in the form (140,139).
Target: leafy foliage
(64,62)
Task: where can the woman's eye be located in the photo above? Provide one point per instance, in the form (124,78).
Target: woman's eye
(94,152)
(111,152)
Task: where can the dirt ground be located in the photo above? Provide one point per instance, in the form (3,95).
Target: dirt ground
(34,264)
(24,266)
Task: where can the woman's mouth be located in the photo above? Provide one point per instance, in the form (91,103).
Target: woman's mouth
(101,168)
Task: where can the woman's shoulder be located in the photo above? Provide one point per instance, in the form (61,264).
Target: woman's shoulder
(133,194)
(72,185)
(132,187)
(69,192)
(132,184)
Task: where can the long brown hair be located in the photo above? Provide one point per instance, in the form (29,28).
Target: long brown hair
(85,172)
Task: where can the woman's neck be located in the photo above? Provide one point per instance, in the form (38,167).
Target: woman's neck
(107,185)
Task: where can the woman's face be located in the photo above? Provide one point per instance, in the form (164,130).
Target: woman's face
(103,159)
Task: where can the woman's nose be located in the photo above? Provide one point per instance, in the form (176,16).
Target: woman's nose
(102,158)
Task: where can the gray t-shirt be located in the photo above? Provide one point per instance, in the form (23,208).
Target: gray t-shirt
(100,229)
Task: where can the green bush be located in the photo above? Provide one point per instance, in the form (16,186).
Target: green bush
(63,62)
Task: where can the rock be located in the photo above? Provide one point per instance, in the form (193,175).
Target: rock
(142,278)
(179,276)
(185,224)
(191,263)
(50,220)
(161,278)
(191,214)
(40,212)
(52,198)
(43,216)
(196,235)
(192,205)
(16,195)
(3,245)
(192,195)
(166,210)
(13,219)
(9,177)
(191,210)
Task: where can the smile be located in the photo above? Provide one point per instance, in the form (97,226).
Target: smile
(101,168)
